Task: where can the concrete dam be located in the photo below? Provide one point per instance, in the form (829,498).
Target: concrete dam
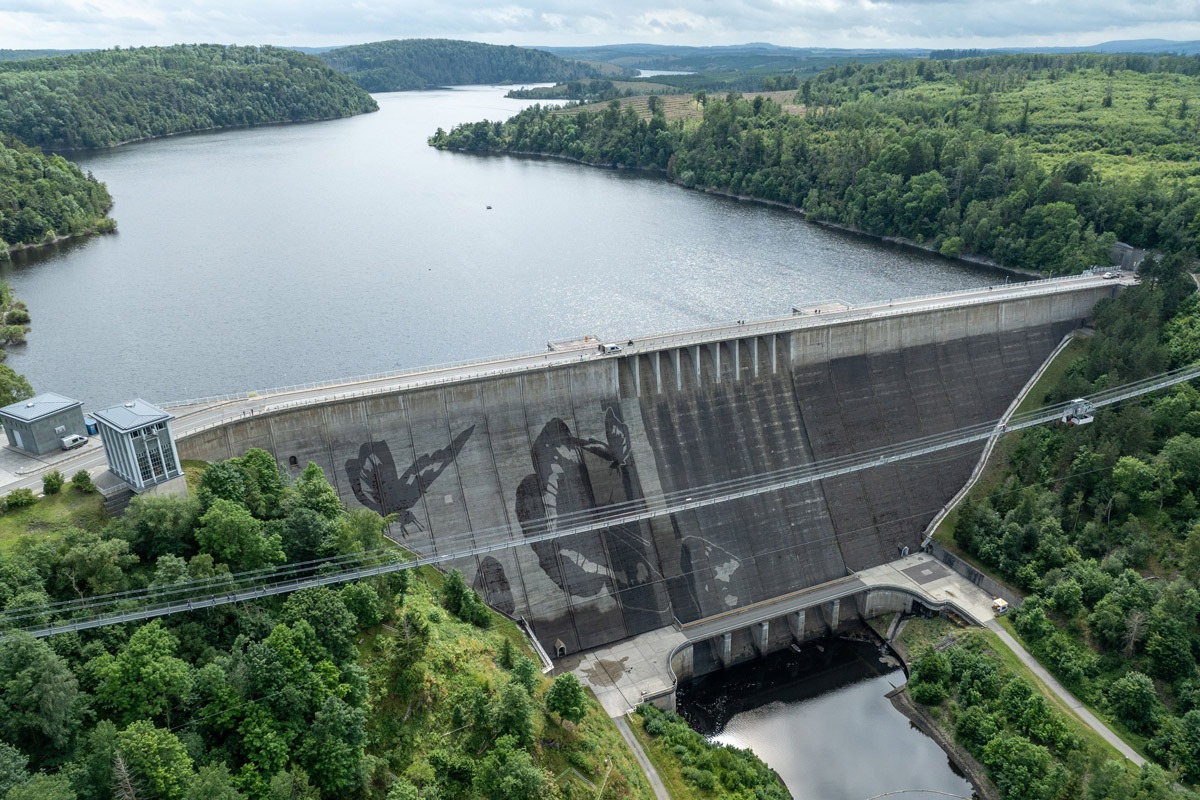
(488,457)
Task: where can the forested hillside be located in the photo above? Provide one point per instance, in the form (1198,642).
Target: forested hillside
(403,65)
(1038,162)
(104,98)
(401,687)
(42,197)
(1100,523)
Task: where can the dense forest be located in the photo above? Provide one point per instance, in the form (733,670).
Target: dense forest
(404,65)
(1039,162)
(730,58)
(1100,524)
(104,98)
(44,197)
(400,687)
(1031,749)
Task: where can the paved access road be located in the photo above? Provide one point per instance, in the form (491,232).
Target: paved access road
(1081,711)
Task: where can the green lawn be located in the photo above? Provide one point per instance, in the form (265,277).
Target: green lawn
(50,515)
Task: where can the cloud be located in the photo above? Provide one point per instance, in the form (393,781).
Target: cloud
(833,23)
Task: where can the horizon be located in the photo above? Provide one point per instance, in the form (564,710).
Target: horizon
(826,24)
(621,44)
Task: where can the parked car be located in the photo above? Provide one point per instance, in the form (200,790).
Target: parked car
(1111,275)
(72,441)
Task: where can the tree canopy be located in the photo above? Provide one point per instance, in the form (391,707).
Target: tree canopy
(107,97)
(405,64)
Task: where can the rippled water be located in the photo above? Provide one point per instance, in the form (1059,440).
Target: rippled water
(277,255)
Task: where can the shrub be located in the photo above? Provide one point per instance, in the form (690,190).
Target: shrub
(82,482)
(52,482)
(700,777)
(927,694)
(18,316)
(19,498)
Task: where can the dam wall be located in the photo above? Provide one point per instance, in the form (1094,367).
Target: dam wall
(489,460)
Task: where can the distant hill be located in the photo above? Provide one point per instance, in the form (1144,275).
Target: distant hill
(21,55)
(402,65)
(742,57)
(1139,46)
(760,55)
(107,97)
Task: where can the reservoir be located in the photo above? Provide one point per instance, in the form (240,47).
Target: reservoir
(821,719)
(279,255)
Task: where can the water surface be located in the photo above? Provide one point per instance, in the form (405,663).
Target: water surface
(821,719)
(285,254)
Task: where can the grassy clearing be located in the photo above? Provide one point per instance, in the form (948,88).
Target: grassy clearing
(49,516)
(191,473)
(684,106)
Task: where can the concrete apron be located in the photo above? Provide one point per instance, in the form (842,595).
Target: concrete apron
(622,673)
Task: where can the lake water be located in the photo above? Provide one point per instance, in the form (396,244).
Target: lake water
(821,719)
(278,255)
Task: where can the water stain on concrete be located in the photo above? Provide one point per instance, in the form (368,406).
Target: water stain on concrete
(605,672)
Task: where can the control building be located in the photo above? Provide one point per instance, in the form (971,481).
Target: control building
(38,424)
(139,444)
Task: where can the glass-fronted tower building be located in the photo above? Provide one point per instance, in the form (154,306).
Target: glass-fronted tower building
(139,444)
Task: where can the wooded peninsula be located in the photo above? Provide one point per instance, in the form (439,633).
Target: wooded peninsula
(408,64)
(1035,161)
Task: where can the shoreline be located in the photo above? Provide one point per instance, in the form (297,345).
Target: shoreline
(920,718)
(964,762)
(210,129)
(978,262)
(37,247)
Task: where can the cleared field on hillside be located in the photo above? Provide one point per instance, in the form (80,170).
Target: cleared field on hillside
(683,106)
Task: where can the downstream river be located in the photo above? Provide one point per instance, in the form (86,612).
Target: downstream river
(821,719)
(279,255)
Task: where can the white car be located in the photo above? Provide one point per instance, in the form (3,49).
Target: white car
(1111,275)
(72,441)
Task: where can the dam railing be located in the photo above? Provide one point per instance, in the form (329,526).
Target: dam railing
(529,361)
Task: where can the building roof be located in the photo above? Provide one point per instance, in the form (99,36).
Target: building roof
(132,415)
(42,405)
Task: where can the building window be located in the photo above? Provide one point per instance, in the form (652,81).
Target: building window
(169,460)
(144,468)
(156,463)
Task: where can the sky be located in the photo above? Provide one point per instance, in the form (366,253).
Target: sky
(38,24)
